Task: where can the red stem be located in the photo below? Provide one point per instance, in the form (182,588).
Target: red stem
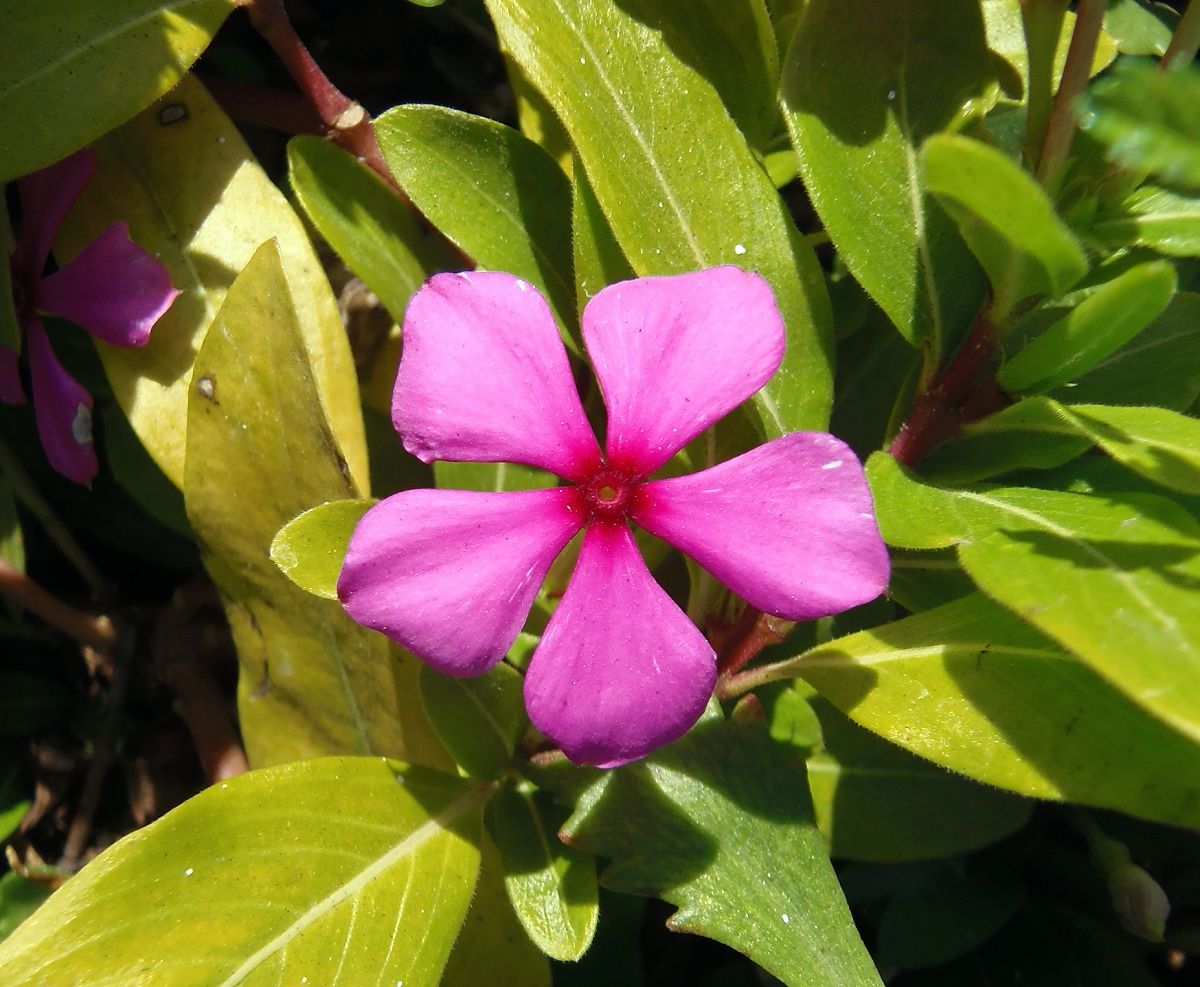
(95,632)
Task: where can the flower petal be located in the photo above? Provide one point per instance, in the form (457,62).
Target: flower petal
(63,409)
(11,391)
(788,526)
(484,377)
(674,354)
(620,669)
(46,197)
(113,288)
(451,574)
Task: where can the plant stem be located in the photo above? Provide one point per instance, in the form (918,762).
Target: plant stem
(95,632)
(1185,42)
(1060,130)
(28,494)
(1043,21)
(344,121)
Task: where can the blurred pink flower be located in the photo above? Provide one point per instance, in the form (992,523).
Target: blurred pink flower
(451,575)
(113,289)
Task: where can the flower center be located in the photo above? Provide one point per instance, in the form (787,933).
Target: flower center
(607,493)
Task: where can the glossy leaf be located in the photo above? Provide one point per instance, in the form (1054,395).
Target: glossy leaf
(362,218)
(492,939)
(1162,445)
(1148,120)
(195,198)
(863,85)
(1152,217)
(719,824)
(312,682)
(61,89)
(1113,578)
(552,886)
(974,689)
(491,190)
(875,801)
(599,260)
(1005,217)
(1099,325)
(310,548)
(672,173)
(352,869)
(1140,27)
(479,720)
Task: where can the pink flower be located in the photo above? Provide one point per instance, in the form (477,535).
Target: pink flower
(451,575)
(113,289)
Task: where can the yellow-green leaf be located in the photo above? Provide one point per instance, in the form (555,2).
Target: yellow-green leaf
(310,548)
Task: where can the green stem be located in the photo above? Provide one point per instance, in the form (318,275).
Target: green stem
(1060,130)
(1185,42)
(28,494)
(1043,20)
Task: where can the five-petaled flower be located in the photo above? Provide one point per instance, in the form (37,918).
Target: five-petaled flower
(452,574)
(113,289)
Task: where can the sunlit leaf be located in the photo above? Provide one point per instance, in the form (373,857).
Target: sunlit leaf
(62,88)
(479,719)
(310,548)
(353,869)
(672,173)
(1152,217)
(194,196)
(1162,445)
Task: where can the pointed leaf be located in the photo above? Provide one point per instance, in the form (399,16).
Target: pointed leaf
(971,687)
(356,870)
(720,825)
(1005,217)
(1152,217)
(863,85)
(1095,328)
(671,171)
(1162,445)
(552,886)
(479,719)
(194,197)
(363,219)
(61,89)
(312,681)
(310,548)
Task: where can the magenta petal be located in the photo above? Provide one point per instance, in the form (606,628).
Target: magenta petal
(63,409)
(11,391)
(113,288)
(620,669)
(789,526)
(451,574)
(46,196)
(484,378)
(674,354)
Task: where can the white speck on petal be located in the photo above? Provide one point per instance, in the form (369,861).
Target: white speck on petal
(522,285)
(785,917)
(832,464)
(81,425)
(739,248)
(188,872)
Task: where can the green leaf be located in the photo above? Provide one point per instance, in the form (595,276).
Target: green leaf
(1112,578)
(863,85)
(12,541)
(310,548)
(1148,120)
(1162,445)
(362,218)
(876,802)
(598,257)
(350,869)
(1005,217)
(490,189)
(61,89)
(18,900)
(1140,27)
(719,824)
(492,939)
(479,719)
(672,173)
(972,688)
(1103,322)
(312,682)
(14,800)
(195,198)
(1161,365)
(552,886)
(1152,217)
